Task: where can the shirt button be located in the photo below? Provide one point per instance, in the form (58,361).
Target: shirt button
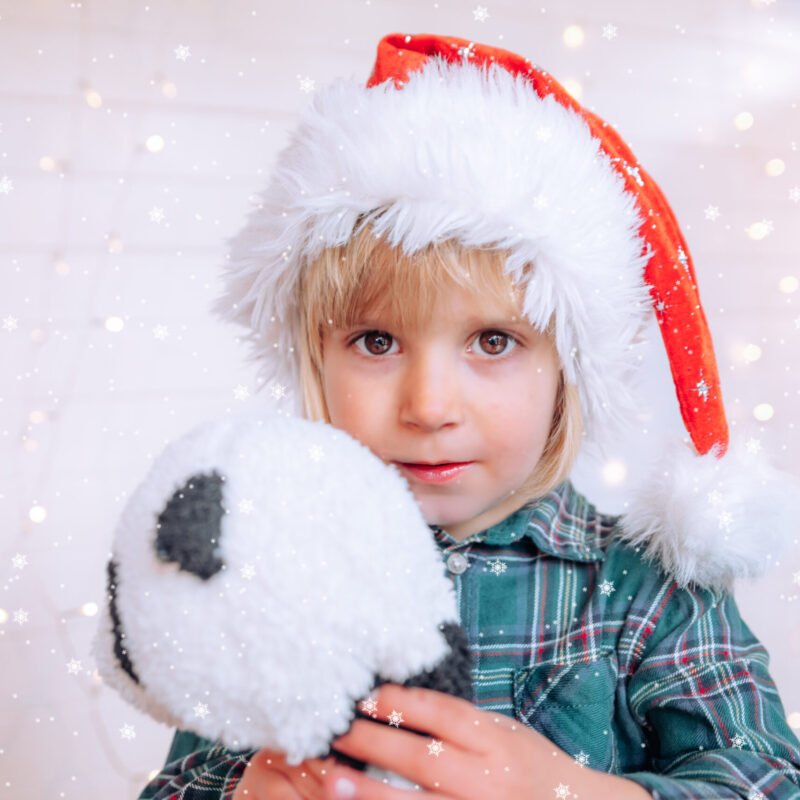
(457,563)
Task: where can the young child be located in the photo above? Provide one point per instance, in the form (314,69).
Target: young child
(454,264)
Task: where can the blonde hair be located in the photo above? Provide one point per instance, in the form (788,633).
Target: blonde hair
(365,274)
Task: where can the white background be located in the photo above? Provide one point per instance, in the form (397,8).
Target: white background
(84,409)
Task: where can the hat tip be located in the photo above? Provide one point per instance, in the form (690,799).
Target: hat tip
(707,520)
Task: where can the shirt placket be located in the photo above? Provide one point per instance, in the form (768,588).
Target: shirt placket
(455,553)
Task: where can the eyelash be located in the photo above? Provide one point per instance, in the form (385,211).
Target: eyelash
(511,337)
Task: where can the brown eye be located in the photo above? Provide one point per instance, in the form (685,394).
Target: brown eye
(376,342)
(494,342)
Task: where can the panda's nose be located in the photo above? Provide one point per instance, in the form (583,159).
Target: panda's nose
(188,529)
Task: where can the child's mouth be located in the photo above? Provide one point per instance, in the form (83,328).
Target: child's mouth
(440,473)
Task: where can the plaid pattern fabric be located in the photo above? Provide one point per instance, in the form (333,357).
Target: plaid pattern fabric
(575,635)
(197,767)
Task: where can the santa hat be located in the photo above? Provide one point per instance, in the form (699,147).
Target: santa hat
(450,138)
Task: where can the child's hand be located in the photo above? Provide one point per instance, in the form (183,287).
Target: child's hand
(269,777)
(470,754)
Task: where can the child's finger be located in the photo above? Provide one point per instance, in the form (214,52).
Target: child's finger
(271,776)
(307,776)
(316,769)
(274,784)
(450,719)
(343,783)
(259,782)
(416,757)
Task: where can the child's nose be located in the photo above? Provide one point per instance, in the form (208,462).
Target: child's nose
(432,396)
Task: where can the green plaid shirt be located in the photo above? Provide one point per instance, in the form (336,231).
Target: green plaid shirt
(575,635)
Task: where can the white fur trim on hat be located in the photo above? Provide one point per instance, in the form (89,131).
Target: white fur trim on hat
(708,520)
(457,152)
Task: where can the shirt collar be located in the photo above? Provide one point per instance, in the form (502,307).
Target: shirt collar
(562,523)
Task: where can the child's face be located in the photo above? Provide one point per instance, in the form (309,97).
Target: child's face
(459,389)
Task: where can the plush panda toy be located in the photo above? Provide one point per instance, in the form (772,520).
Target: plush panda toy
(267,574)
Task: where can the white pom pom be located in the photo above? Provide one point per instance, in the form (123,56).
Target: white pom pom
(709,520)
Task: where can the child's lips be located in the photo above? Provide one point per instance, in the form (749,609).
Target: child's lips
(440,473)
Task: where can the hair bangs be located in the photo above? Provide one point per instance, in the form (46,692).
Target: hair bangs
(367,277)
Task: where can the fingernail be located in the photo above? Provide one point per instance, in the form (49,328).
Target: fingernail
(344,787)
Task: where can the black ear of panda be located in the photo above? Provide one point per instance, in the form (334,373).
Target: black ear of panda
(189,526)
(119,634)
(453,674)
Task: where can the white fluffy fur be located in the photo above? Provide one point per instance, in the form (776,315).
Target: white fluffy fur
(465,154)
(708,521)
(348,585)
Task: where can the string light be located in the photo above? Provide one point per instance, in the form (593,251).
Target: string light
(614,472)
(574,88)
(573,36)
(114,324)
(758,230)
(751,353)
(154,143)
(774,167)
(37,513)
(763,412)
(93,98)
(29,444)
(114,243)
(61,266)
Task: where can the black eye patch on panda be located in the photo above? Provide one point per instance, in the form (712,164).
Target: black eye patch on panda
(189,526)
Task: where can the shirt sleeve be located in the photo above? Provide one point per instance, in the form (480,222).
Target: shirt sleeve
(197,768)
(713,720)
